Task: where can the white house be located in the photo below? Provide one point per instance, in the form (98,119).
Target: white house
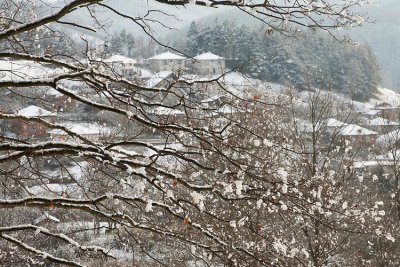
(208,63)
(25,128)
(167,62)
(356,134)
(121,64)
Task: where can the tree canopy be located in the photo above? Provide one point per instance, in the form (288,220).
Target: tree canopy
(308,61)
(99,168)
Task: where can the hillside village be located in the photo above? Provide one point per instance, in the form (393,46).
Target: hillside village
(370,130)
(198,134)
(171,70)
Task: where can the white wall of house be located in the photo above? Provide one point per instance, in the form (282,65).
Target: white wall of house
(208,63)
(167,62)
(121,64)
(205,67)
(204,64)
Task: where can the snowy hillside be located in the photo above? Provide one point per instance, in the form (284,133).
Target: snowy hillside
(386,95)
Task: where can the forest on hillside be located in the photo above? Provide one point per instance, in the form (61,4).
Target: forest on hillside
(311,61)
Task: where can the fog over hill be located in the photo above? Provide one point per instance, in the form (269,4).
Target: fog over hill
(383,35)
(162,19)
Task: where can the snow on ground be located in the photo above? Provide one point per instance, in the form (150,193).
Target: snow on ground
(364,108)
(386,95)
(52,190)
(77,170)
(237,83)
(75,225)
(144,73)
(371,163)
(381,122)
(389,138)
(238,79)
(52,92)
(391,155)
(157,78)
(74,171)
(361,107)
(25,70)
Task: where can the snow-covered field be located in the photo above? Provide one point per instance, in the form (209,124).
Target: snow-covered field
(386,95)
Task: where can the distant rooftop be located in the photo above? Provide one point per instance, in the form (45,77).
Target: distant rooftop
(167,55)
(208,56)
(354,129)
(119,58)
(34,112)
(165,111)
(82,129)
(157,78)
(331,122)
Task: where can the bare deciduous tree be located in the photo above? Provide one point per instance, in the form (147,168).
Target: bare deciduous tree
(218,184)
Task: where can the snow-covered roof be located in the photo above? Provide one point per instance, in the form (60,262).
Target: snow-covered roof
(82,129)
(227,109)
(167,55)
(164,111)
(211,99)
(157,78)
(144,73)
(381,122)
(46,216)
(372,112)
(372,163)
(55,189)
(237,79)
(120,59)
(208,56)
(331,122)
(391,155)
(354,129)
(35,112)
(52,92)
(19,70)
